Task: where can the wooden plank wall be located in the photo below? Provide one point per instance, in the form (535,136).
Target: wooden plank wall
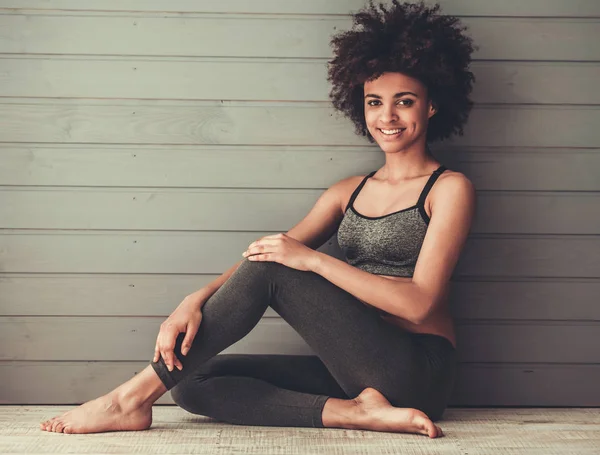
(145,144)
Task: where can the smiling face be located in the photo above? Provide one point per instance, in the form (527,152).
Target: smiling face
(399,105)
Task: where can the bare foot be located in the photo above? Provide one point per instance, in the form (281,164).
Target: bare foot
(374,412)
(107,413)
(128,407)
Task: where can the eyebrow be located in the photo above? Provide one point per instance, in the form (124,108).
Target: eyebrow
(397,95)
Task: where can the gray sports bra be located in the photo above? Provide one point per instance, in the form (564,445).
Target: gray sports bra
(388,244)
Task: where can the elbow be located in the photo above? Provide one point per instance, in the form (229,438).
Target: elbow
(421,316)
(419,319)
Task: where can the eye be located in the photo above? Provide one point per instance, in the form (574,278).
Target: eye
(407,102)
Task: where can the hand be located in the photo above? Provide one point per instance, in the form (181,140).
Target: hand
(283,249)
(186,318)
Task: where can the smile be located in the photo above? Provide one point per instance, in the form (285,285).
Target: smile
(392,133)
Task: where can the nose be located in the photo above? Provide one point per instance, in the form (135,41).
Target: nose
(388,114)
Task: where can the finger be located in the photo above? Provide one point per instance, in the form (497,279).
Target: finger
(260,257)
(156,353)
(168,352)
(167,360)
(190,333)
(178,363)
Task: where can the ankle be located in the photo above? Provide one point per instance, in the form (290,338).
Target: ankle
(339,413)
(140,391)
(130,399)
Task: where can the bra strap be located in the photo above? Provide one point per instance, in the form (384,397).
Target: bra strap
(434,176)
(357,190)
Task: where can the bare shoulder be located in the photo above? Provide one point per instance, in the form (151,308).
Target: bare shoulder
(345,187)
(452,186)
(453,178)
(324,218)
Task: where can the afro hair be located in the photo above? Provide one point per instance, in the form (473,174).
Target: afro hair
(412,39)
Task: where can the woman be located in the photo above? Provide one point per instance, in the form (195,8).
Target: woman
(379,323)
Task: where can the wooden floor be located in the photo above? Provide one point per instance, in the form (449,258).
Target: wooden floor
(531,431)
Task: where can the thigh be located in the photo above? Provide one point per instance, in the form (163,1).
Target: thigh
(300,373)
(356,345)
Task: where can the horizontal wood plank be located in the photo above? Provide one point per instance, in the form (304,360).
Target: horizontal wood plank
(245,79)
(254,123)
(120,295)
(185,166)
(572,8)
(261,210)
(476,384)
(211,252)
(244,35)
(526,385)
(103,338)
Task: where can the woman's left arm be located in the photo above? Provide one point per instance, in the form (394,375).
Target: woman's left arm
(452,211)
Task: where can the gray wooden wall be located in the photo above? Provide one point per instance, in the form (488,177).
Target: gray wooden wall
(145,144)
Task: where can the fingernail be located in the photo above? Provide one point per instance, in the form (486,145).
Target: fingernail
(170,368)
(179,367)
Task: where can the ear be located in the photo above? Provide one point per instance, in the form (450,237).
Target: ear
(432,109)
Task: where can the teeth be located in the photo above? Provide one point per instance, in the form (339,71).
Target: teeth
(391,131)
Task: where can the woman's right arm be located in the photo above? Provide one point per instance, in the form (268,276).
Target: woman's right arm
(186,318)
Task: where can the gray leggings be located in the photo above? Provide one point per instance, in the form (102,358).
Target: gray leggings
(355,349)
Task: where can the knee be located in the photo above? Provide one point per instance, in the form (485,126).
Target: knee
(260,267)
(188,393)
(192,393)
(255,270)
(192,396)
(266,272)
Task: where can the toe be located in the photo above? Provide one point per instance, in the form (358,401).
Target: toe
(67,430)
(425,425)
(54,425)
(431,429)
(59,427)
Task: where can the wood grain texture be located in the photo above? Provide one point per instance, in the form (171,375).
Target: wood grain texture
(214,252)
(269,79)
(550,299)
(243,35)
(515,8)
(484,431)
(256,210)
(135,136)
(283,167)
(76,382)
(104,338)
(262,123)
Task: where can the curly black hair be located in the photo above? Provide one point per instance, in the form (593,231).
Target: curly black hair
(412,39)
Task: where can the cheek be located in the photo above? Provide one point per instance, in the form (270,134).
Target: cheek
(369,117)
(419,120)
